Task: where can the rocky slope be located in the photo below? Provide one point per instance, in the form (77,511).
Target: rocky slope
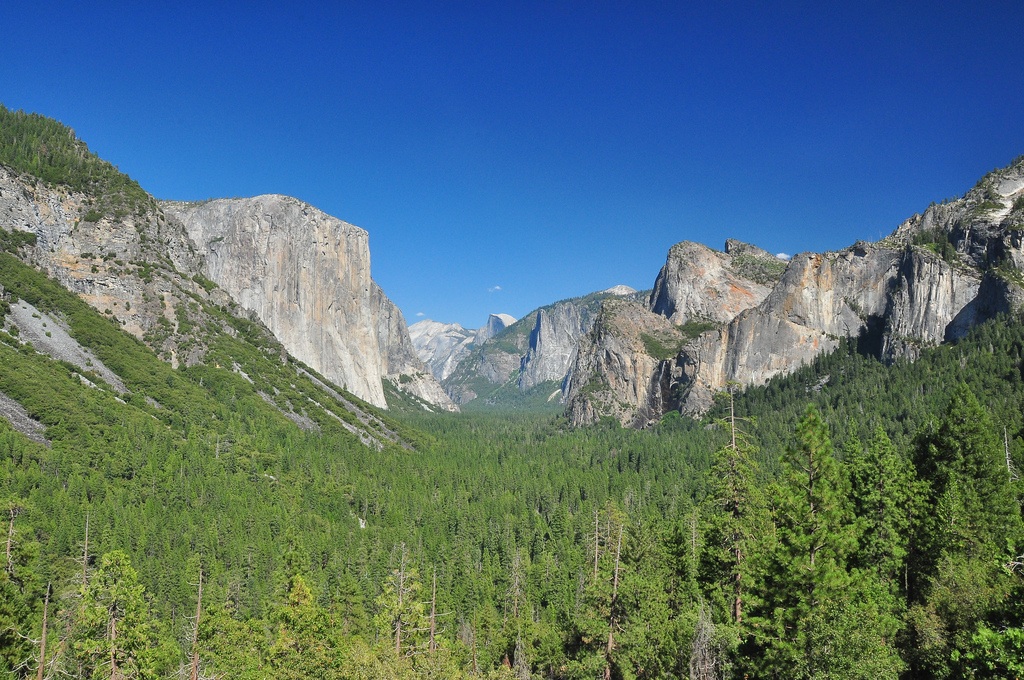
(136,268)
(701,284)
(539,348)
(440,345)
(306,276)
(938,274)
(302,273)
(401,364)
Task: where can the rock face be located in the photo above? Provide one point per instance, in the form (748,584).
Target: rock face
(896,300)
(136,268)
(940,273)
(553,341)
(539,348)
(306,276)
(440,345)
(701,284)
(401,364)
(630,365)
(496,323)
(614,374)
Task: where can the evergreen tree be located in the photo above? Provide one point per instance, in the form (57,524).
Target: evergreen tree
(736,519)
(113,637)
(968,485)
(304,645)
(807,571)
(400,612)
(887,498)
(958,546)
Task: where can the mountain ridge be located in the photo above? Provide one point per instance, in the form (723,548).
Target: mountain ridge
(939,273)
(101,235)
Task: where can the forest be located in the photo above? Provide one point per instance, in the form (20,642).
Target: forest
(849,520)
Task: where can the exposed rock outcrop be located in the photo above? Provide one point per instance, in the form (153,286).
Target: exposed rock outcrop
(615,373)
(401,364)
(137,267)
(936,276)
(496,323)
(440,345)
(306,276)
(553,342)
(701,284)
(631,365)
(536,349)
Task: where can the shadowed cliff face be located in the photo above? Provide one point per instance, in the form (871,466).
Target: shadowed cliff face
(935,277)
(306,276)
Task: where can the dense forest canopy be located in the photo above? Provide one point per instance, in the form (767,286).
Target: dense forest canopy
(851,520)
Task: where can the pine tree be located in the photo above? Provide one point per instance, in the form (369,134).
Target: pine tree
(974,520)
(400,612)
(303,644)
(887,498)
(113,637)
(962,461)
(736,518)
(808,568)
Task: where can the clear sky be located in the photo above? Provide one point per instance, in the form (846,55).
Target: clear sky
(504,155)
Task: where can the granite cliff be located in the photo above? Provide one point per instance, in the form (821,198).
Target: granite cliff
(173,274)
(537,349)
(306,276)
(715,318)
(136,268)
(442,346)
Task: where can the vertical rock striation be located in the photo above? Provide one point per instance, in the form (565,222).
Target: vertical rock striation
(940,273)
(306,276)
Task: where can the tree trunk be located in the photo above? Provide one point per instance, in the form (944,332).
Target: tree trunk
(42,640)
(195,634)
(433,612)
(611,615)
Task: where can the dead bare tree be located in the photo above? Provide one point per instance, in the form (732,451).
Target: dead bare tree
(42,638)
(432,644)
(610,647)
(194,674)
(703,653)
(13,510)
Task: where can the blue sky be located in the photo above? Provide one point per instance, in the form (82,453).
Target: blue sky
(503,155)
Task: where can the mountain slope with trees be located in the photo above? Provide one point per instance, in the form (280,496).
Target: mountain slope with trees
(237,516)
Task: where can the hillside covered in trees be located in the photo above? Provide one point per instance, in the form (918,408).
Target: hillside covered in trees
(851,520)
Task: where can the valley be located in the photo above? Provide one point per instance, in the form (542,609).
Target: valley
(224,454)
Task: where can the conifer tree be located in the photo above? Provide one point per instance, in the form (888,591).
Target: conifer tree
(958,546)
(400,611)
(113,637)
(736,518)
(808,568)
(887,497)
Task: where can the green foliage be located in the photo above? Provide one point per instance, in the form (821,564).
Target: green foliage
(937,240)
(763,270)
(663,346)
(887,498)
(113,636)
(206,283)
(46,149)
(806,572)
(11,241)
(297,528)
